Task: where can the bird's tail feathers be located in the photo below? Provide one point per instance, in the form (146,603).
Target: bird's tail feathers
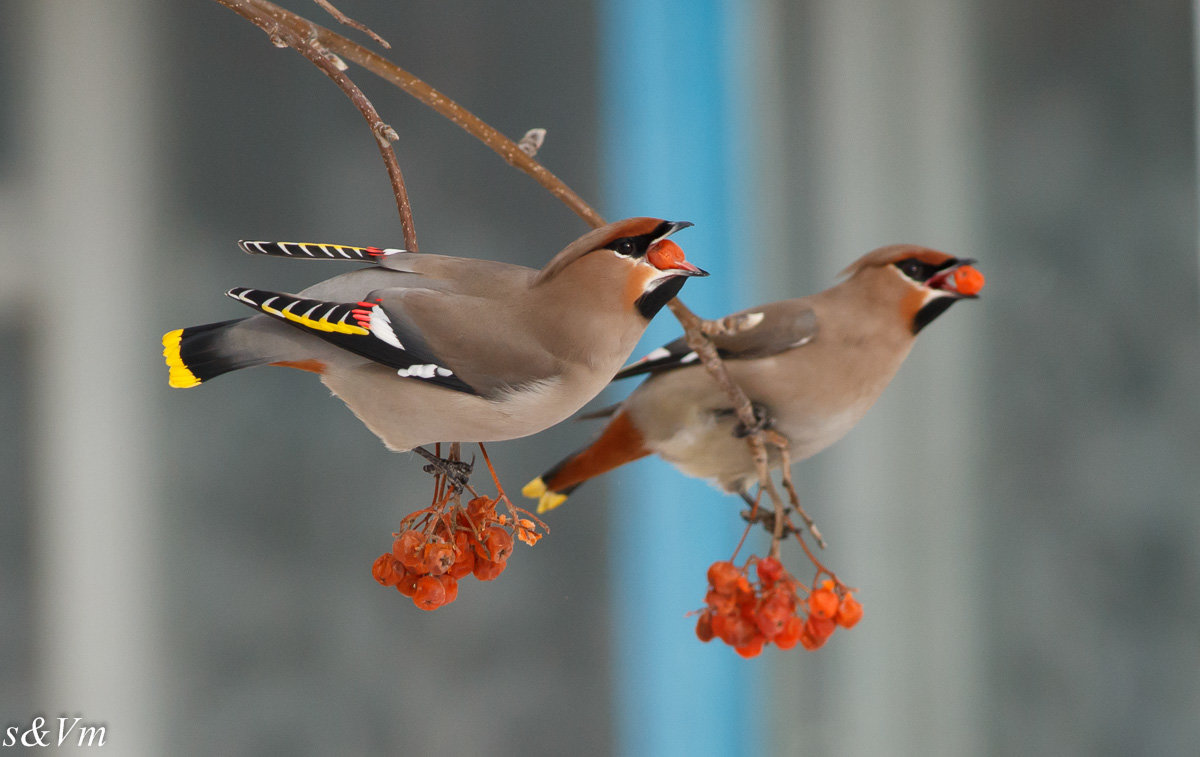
(619,443)
(198,353)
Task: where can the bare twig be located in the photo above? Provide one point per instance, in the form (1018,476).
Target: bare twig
(290,30)
(342,18)
(385,69)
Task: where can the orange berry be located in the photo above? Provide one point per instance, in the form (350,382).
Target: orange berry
(968,280)
(450,584)
(744,592)
(482,511)
(722,603)
(464,562)
(704,628)
(849,612)
(723,576)
(790,634)
(769,570)
(752,648)
(821,628)
(783,595)
(462,567)
(407,548)
(486,570)
(823,603)
(497,544)
(430,594)
(771,617)
(437,557)
(739,630)
(407,583)
(721,626)
(387,570)
(810,642)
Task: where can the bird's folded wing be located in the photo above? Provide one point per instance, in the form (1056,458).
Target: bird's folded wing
(317,251)
(765,331)
(364,328)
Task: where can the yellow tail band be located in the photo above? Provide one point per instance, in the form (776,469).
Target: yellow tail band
(547,500)
(180,377)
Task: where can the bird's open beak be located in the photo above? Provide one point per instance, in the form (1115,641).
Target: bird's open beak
(665,255)
(961,279)
(674,226)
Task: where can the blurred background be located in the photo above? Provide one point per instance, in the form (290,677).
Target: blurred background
(1019,511)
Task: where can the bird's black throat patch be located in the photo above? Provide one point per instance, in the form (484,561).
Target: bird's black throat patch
(932,310)
(652,301)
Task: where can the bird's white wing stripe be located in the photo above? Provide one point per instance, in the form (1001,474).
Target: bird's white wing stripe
(425,371)
(381,327)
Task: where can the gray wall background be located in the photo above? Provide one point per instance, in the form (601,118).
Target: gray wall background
(192,568)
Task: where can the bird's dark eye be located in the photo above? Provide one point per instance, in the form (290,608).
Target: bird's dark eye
(625,247)
(915,269)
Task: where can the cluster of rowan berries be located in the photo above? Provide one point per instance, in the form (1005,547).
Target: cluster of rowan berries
(439,547)
(747,616)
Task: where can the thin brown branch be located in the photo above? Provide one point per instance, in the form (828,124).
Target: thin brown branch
(472,124)
(342,18)
(290,30)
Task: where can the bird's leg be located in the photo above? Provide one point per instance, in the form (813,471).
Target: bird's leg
(455,472)
(762,421)
(781,443)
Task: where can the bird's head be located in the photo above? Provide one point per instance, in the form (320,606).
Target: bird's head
(924,281)
(633,254)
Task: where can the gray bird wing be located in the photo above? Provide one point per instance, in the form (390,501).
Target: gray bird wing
(440,320)
(486,341)
(770,329)
(440,272)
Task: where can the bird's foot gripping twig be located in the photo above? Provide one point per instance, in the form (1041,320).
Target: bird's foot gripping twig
(762,421)
(456,473)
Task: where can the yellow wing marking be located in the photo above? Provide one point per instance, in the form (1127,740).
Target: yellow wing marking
(323,324)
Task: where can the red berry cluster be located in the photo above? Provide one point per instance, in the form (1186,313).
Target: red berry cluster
(748,616)
(426,563)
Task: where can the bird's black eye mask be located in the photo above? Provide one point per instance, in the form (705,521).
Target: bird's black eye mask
(920,271)
(636,246)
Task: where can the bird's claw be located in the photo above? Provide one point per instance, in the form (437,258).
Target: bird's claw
(456,472)
(762,421)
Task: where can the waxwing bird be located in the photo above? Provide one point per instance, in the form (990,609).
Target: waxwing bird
(811,366)
(427,348)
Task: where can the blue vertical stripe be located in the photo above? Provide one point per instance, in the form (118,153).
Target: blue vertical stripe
(672,149)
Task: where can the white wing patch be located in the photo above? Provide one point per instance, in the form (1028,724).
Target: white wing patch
(424,371)
(381,327)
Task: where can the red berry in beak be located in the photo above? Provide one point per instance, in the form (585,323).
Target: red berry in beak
(665,255)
